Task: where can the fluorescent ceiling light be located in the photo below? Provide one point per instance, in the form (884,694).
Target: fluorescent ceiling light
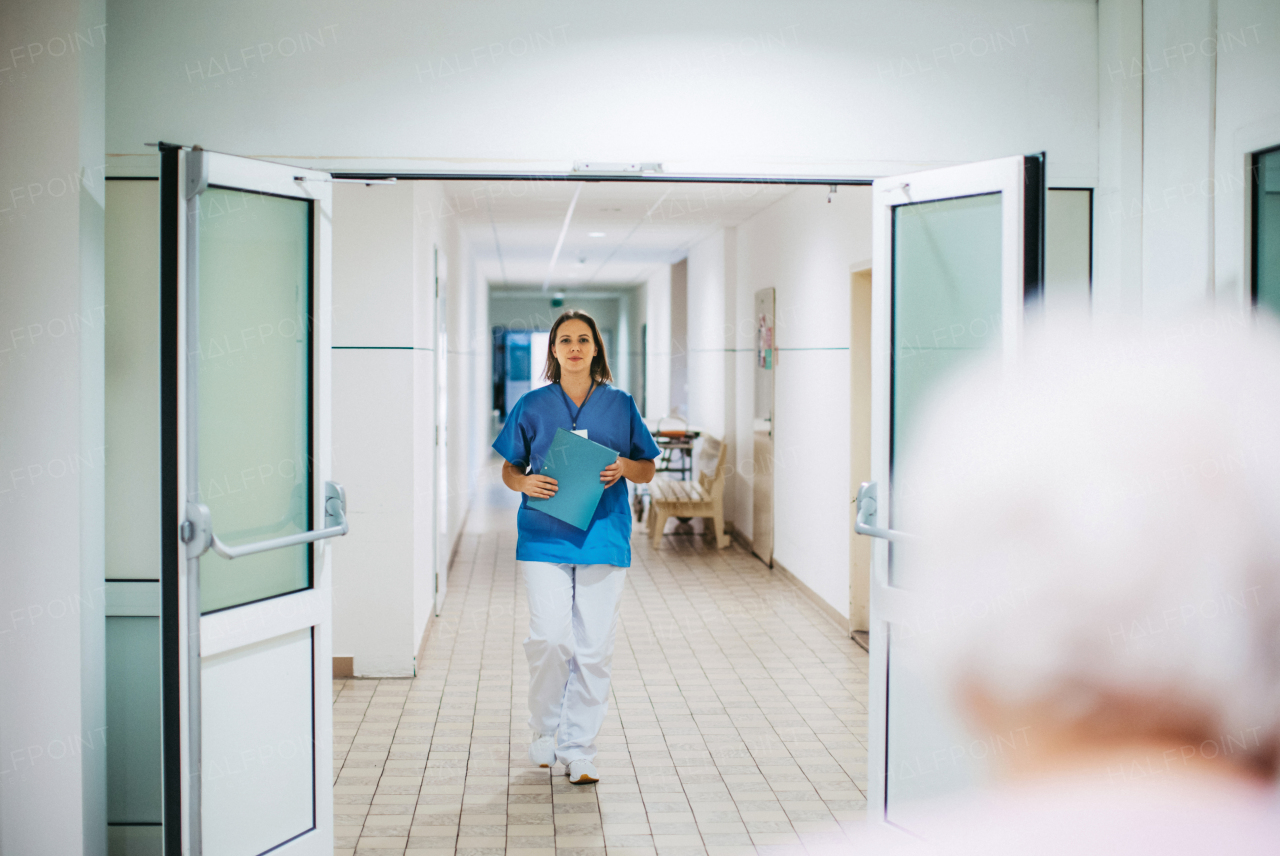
(595,234)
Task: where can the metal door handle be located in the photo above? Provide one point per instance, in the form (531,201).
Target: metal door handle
(197,529)
(865,522)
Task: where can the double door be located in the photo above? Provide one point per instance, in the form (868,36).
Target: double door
(957,264)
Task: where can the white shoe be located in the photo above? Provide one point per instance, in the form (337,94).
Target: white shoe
(582,772)
(542,751)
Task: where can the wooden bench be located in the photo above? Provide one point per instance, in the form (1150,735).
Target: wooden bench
(702,498)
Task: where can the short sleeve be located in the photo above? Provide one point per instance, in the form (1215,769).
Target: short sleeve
(642,446)
(513,440)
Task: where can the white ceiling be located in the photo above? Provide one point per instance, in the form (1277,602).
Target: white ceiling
(513,226)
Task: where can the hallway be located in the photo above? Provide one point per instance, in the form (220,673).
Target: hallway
(737,724)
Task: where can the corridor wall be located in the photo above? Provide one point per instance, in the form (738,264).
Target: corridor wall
(753,88)
(804,248)
(1155,104)
(708,364)
(407,500)
(1183,101)
(470,392)
(657,313)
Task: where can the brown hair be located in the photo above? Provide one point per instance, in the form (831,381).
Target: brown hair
(599,363)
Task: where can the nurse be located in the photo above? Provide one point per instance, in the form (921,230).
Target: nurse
(573,577)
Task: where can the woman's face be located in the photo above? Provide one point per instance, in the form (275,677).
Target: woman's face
(574,346)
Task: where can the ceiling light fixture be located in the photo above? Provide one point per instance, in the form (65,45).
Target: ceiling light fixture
(564,230)
(595,234)
(631,167)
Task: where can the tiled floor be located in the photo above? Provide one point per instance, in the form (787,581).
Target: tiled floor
(736,727)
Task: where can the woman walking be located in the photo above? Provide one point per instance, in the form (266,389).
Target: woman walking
(573,577)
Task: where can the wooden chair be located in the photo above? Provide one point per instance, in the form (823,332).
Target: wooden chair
(701,498)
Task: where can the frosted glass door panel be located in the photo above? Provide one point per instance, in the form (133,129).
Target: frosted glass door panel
(946,308)
(254,382)
(946,304)
(132,401)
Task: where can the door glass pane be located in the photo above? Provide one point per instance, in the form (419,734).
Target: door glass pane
(134,772)
(946,304)
(1266,247)
(254,387)
(946,308)
(132,400)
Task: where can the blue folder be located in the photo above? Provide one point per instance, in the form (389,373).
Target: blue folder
(575,463)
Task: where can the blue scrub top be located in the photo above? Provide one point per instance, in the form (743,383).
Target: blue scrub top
(611,419)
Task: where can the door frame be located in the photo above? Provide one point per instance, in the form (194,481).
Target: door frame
(860,290)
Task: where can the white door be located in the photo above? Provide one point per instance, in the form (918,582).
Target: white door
(957,254)
(252,661)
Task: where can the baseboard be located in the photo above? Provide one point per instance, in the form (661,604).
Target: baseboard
(827,609)
(422,643)
(457,539)
(749,545)
(344,667)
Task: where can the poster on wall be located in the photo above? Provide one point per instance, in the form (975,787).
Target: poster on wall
(764,342)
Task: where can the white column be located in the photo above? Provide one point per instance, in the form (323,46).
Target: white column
(380,578)
(1178,77)
(52,710)
(1117,223)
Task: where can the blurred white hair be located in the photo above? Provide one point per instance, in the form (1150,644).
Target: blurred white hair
(1101,524)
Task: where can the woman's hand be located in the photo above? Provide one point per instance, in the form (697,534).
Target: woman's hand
(538,487)
(535,486)
(610,474)
(639,472)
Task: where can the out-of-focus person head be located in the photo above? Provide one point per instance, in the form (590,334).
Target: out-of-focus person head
(1099,527)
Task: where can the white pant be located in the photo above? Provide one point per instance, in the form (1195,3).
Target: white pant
(573,618)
